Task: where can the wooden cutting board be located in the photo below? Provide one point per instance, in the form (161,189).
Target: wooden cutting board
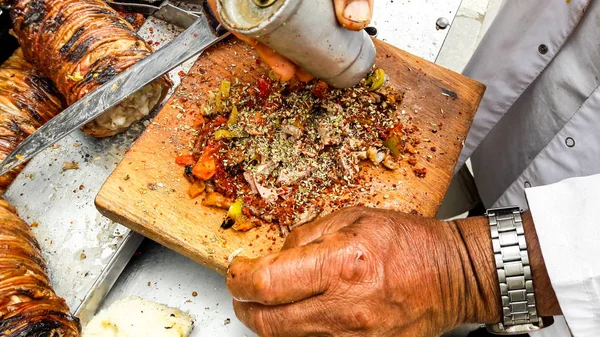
(148,192)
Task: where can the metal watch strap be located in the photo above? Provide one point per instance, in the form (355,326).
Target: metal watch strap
(519,313)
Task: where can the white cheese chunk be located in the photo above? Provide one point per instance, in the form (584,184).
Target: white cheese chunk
(135,107)
(135,317)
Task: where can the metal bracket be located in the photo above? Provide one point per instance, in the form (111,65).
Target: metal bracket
(167,11)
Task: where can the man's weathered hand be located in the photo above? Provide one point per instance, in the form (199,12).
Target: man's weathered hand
(364,272)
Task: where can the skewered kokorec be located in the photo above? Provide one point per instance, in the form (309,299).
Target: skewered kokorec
(81,44)
(28,99)
(28,305)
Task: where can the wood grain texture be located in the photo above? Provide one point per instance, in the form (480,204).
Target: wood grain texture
(148,192)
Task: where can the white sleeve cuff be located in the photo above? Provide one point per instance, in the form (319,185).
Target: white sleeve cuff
(567,221)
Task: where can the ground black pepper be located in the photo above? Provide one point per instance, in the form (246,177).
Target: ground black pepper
(288,149)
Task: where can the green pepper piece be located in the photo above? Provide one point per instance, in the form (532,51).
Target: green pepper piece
(225,89)
(233,117)
(222,95)
(376,80)
(393,144)
(224,134)
(235,210)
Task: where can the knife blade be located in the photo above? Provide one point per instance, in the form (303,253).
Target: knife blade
(202,34)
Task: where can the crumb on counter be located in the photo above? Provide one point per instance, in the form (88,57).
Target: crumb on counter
(70,166)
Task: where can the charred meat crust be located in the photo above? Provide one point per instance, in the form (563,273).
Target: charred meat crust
(28,305)
(82,33)
(28,99)
(36,13)
(78,44)
(136,20)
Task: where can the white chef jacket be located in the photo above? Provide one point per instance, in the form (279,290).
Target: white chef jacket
(538,125)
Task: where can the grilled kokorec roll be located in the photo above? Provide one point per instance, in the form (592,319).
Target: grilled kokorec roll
(81,44)
(28,305)
(28,99)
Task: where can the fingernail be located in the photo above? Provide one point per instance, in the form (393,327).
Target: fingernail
(357,11)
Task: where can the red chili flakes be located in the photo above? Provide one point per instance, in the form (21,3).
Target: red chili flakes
(226,183)
(198,121)
(259,120)
(421,173)
(412,161)
(264,87)
(433,149)
(320,90)
(410,149)
(267,105)
(181,73)
(219,121)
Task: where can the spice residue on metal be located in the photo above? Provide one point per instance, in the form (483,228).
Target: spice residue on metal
(264,3)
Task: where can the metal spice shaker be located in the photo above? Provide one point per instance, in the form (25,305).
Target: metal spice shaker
(306,32)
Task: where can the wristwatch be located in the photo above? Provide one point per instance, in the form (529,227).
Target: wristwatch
(519,313)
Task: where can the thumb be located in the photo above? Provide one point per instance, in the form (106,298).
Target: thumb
(354,14)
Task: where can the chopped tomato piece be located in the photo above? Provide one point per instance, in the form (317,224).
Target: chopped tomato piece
(205,168)
(263,87)
(185,160)
(211,148)
(196,189)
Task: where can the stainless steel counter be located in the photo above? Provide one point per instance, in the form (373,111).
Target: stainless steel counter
(85,251)
(80,245)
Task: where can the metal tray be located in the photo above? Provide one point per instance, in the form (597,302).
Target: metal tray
(85,251)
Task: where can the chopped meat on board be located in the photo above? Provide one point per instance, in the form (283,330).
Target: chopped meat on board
(297,146)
